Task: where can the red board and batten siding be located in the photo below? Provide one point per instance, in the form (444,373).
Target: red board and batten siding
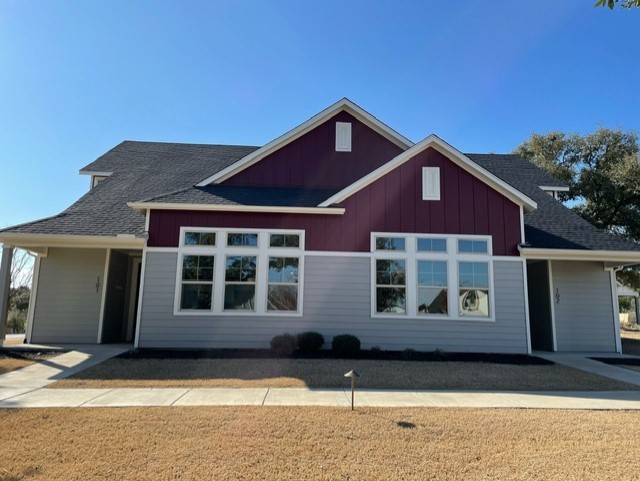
(392,203)
(311,161)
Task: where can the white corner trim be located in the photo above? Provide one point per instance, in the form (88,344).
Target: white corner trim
(630,257)
(103,300)
(527,321)
(33,299)
(522,240)
(288,137)
(452,154)
(136,338)
(616,310)
(553,307)
(145,206)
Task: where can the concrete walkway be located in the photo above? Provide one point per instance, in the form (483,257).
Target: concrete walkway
(24,389)
(583,362)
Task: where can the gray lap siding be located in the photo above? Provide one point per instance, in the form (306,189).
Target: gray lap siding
(337,300)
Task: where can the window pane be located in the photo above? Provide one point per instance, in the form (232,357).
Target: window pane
(432,245)
(284,240)
(196,296)
(390,300)
(432,273)
(197,268)
(242,240)
(200,238)
(282,298)
(474,274)
(241,269)
(390,243)
(390,272)
(432,300)
(240,297)
(190,238)
(478,246)
(474,302)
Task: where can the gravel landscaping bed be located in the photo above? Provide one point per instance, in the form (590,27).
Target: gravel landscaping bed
(468,372)
(310,443)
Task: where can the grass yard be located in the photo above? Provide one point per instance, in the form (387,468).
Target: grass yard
(258,443)
(8,364)
(12,359)
(328,373)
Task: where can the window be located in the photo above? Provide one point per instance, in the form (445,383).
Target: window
(199,238)
(431,183)
(474,246)
(197,282)
(390,286)
(431,276)
(282,288)
(284,240)
(242,240)
(390,243)
(432,287)
(473,284)
(432,245)
(237,272)
(240,283)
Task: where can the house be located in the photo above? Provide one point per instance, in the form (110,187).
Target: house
(341,225)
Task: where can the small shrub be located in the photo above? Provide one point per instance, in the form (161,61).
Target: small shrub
(345,345)
(440,354)
(284,344)
(376,352)
(310,341)
(409,354)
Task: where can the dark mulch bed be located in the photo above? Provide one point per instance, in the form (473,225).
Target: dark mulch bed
(616,361)
(29,354)
(413,356)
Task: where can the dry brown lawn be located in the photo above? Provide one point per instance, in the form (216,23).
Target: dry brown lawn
(328,373)
(9,364)
(630,342)
(294,443)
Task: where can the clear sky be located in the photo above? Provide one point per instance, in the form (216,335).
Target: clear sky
(78,77)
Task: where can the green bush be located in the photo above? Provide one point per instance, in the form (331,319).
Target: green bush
(409,354)
(345,345)
(17,320)
(310,341)
(284,344)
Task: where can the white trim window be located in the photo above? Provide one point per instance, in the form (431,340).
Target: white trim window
(239,272)
(432,276)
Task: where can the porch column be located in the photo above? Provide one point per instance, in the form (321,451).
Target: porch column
(5,284)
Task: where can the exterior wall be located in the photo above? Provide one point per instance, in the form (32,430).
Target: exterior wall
(584,315)
(393,203)
(312,161)
(337,300)
(67,305)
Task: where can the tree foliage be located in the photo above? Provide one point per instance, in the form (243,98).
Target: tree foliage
(602,171)
(612,3)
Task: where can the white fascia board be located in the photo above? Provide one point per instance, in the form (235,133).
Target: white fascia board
(143,206)
(452,154)
(288,137)
(33,241)
(615,257)
(547,188)
(94,173)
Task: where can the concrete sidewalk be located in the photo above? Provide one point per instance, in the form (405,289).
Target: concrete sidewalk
(24,389)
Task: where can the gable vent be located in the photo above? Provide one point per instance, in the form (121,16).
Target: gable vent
(343,136)
(431,183)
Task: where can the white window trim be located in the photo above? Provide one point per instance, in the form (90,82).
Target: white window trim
(452,257)
(220,252)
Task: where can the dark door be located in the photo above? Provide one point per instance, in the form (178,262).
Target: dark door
(539,306)
(114,320)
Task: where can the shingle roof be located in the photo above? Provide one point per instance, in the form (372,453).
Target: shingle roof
(551,225)
(167,173)
(236,195)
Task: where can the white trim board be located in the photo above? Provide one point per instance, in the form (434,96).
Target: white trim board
(145,206)
(297,132)
(32,241)
(628,257)
(452,154)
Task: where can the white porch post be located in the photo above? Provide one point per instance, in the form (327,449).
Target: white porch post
(5,284)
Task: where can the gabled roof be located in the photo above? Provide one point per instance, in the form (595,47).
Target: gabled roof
(454,155)
(342,105)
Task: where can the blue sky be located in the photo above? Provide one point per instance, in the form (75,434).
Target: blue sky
(79,77)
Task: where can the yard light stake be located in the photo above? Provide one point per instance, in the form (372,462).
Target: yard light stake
(353,375)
